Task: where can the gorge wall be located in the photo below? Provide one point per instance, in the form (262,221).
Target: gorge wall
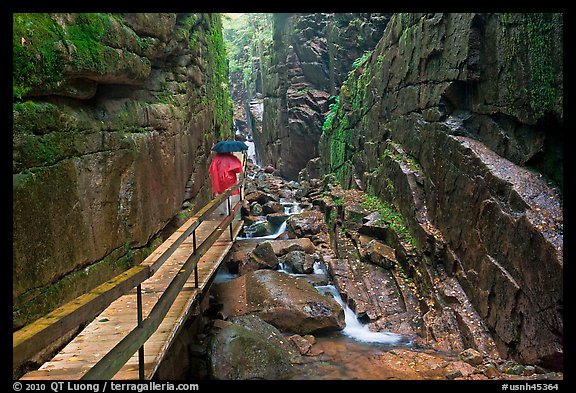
(310,56)
(457,121)
(114,116)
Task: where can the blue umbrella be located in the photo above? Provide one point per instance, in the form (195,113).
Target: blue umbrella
(229,146)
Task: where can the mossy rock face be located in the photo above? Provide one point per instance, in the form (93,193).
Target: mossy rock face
(67,54)
(108,133)
(451,109)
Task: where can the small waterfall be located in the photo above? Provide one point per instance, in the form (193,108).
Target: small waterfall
(290,208)
(356,330)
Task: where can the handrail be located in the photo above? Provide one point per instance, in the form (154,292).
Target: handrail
(35,336)
(115,359)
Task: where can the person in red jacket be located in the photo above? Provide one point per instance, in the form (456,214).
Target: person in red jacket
(224,169)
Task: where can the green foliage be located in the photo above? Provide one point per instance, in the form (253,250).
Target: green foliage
(399,155)
(543,94)
(530,52)
(362,59)
(247,36)
(34,58)
(390,217)
(40,44)
(219,94)
(332,110)
(339,153)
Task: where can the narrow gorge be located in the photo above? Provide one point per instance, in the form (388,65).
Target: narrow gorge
(406,171)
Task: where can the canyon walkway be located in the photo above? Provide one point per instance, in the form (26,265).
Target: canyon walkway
(132,319)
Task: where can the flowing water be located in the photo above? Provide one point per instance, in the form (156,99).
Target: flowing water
(290,208)
(355,352)
(354,329)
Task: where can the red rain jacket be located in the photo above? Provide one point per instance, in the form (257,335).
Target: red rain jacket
(223,170)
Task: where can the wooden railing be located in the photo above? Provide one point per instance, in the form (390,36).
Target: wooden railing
(28,341)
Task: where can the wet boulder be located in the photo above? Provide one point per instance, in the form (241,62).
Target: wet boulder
(261,257)
(378,253)
(261,197)
(354,215)
(272,207)
(258,228)
(290,303)
(248,348)
(282,247)
(307,224)
(298,262)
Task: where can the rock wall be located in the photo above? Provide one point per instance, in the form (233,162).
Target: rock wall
(456,120)
(309,56)
(114,118)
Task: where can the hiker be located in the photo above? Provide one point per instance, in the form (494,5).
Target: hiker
(224,169)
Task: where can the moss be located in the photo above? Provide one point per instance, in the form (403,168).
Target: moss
(44,150)
(47,47)
(85,35)
(390,217)
(338,128)
(36,117)
(399,155)
(218,93)
(530,56)
(543,94)
(332,110)
(35,61)
(362,59)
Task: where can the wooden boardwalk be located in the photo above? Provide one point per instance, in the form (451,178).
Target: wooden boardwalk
(120,318)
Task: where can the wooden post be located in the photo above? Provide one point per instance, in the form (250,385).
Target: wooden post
(141,349)
(231,221)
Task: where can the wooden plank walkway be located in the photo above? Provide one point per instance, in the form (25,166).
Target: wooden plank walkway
(120,318)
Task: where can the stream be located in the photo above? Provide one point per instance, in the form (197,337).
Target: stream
(351,353)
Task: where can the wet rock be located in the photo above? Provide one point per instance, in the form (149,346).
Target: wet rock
(303,189)
(463,368)
(272,207)
(501,220)
(290,303)
(242,353)
(298,262)
(286,193)
(374,226)
(301,343)
(371,292)
(262,257)
(282,247)
(380,254)
(256,209)
(307,224)
(276,219)
(471,356)
(354,215)
(259,196)
(512,368)
(454,374)
(491,371)
(259,228)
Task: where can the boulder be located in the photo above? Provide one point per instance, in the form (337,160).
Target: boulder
(380,254)
(290,303)
(282,247)
(298,262)
(247,349)
(307,224)
(261,257)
